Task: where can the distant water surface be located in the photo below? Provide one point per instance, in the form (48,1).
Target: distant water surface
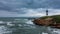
(24,26)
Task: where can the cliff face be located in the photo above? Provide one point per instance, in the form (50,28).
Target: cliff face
(46,21)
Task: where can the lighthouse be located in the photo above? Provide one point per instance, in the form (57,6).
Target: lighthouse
(46,12)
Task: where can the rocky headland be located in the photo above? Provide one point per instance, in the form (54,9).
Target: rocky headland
(53,21)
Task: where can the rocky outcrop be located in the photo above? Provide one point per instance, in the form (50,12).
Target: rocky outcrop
(45,22)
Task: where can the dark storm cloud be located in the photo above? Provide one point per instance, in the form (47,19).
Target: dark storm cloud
(23,7)
(31,3)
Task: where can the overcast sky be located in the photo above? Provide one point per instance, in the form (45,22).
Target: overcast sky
(28,8)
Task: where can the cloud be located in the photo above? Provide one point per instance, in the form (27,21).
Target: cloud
(29,12)
(33,12)
(31,3)
(28,8)
(4,13)
(11,5)
(54,12)
(40,12)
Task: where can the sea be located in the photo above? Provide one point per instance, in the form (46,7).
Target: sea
(9,25)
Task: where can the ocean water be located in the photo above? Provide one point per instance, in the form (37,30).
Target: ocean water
(24,26)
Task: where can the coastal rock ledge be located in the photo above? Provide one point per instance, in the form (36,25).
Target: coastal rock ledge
(46,22)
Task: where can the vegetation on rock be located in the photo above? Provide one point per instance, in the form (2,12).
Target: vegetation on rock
(55,17)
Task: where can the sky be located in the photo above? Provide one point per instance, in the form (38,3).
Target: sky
(28,8)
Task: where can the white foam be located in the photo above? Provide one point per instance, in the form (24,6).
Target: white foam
(9,23)
(56,31)
(29,22)
(3,30)
(19,24)
(44,33)
(1,22)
